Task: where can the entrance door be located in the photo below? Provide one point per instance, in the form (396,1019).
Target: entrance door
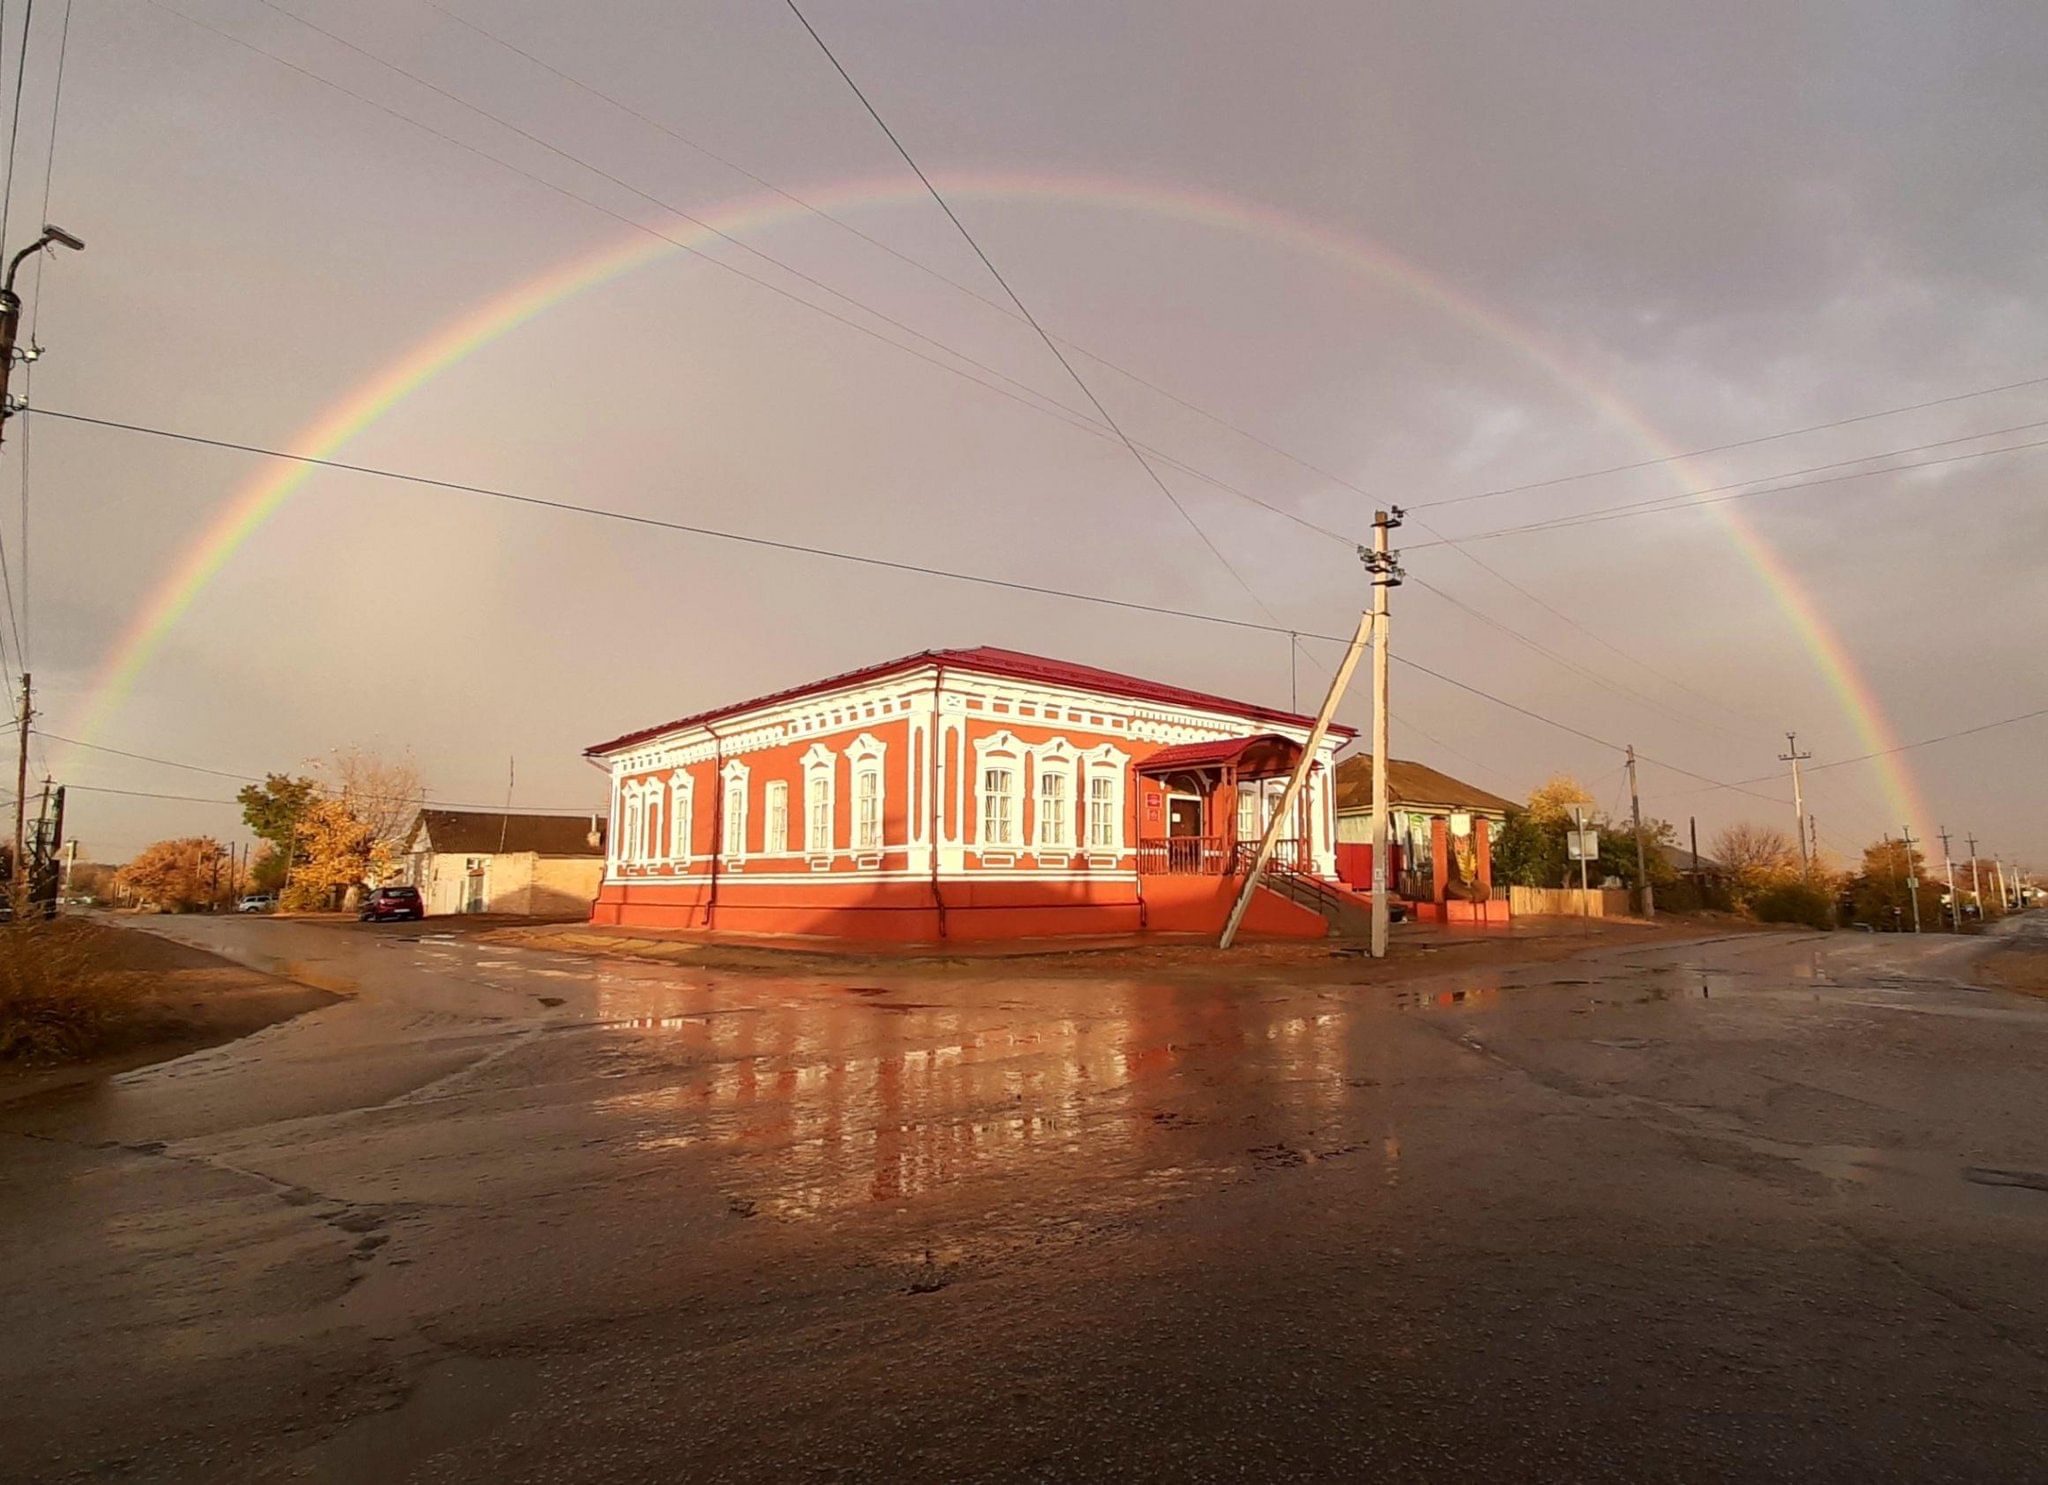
(1183,833)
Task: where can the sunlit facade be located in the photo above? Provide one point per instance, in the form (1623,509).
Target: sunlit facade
(961,794)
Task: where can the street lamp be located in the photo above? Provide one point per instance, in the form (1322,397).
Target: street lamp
(10,305)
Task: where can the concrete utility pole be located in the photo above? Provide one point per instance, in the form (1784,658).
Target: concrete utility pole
(1793,756)
(1976,886)
(1998,875)
(1948,864)
(1585,893)
(1386,574)
(17,888)
(1371,626)
(1912,876)
(1635,809)
(10,310)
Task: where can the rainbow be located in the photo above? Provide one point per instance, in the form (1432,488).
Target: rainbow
(475,329)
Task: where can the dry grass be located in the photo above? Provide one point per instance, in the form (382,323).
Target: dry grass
(58,999)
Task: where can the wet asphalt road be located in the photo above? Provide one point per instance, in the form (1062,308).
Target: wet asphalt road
(1760,1207)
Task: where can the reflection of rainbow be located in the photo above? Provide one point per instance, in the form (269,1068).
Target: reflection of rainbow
(470,332)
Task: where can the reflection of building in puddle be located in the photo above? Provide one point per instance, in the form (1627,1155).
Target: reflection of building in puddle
(820,1104)
(1475,997)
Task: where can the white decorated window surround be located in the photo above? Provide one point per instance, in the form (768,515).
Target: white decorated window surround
(1053,794)
(732,830)
(775,818)
(681,795)
(864,760)
(999,793)
(1100,765)
(820,764)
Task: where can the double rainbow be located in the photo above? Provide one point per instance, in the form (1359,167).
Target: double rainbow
(479,327)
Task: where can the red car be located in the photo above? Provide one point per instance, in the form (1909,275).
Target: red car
(387,903)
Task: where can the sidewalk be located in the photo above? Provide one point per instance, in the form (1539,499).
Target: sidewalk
(1413,948)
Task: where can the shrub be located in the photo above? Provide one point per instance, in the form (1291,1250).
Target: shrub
(1794,901)
(56,997)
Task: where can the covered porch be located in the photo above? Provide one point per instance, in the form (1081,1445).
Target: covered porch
(1207,804)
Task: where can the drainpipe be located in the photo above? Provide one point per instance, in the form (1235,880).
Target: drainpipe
(1135,786)
(938,754)
(717,825)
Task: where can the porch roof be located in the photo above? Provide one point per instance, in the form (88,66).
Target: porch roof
(1260,752)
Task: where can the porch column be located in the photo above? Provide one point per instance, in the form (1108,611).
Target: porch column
(1439,851)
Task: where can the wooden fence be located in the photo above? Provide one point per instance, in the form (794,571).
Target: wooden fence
(1566,902)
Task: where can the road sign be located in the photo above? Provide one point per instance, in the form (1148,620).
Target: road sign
(1582,845)
(1912,884)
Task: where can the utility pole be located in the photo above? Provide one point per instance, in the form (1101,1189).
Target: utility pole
(1585,894)
(1793,756)
(1371,626)
(1912,876)
(1635,809)
(1955,907)
(10,311)
(17,888)
(1386,574)
(1998,875)
(1976,886)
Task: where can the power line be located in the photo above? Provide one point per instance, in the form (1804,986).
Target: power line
(861,559)
(35,311)
(686,528)
(28,17)
(1925,742)
(1722,448)
(1024,310)
(1684,501)
(1023,393)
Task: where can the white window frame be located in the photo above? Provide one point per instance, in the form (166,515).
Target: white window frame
(775,818)
(1055,759)
(821,765)
(864,756)
(682,800)
(732,835)
(1107,762)
(1000,750)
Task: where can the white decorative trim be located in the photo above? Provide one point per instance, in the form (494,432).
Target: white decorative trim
(820,770)
(732,830)
(864,766)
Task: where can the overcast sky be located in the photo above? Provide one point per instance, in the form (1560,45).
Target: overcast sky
(1730,220)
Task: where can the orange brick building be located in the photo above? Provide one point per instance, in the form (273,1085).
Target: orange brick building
(962,794)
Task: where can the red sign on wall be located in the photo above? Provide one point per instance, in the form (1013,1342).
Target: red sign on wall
(1152,806)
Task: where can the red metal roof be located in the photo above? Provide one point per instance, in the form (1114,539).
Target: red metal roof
(987,660)
(1212,754)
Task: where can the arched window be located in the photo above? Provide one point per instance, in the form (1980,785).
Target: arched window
(775,829)
(681,793)
(864,758)
(819,764)
(999,792)
(732,826)
(1053,803)
(1104,770)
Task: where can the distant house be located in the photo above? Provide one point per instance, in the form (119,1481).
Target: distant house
(1701,869)
(488,861)
(1441,830)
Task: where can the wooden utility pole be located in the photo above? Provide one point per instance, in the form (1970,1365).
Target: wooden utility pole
(18,887)
(1635,809)
(1793,756)
(1284,811)
(1585,890)
(1976,886)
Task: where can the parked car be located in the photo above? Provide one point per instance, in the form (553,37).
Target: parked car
(257,902)
(393,902)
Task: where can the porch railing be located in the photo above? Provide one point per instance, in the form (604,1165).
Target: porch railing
(1184,855)
(1213,855)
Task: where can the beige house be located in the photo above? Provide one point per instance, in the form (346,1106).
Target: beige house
(490,861)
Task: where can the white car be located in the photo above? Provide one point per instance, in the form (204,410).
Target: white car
(257,902)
